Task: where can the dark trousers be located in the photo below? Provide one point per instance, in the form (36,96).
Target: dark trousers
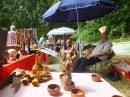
(81,63)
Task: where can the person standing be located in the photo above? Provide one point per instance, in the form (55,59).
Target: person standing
(41,40)
(11,39)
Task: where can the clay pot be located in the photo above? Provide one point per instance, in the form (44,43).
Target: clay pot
(76,92)
(95,77)
(117,96)
(61,75)
(53,89)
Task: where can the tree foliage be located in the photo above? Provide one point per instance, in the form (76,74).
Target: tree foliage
(118,23)
(27,14)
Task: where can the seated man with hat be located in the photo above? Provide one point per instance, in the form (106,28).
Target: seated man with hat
(99,53)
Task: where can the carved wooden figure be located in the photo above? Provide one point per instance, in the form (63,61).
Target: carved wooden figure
(25,35)
(38,73)
(23,52)
(66,80)
(71,54)
(27,41)
(37,68)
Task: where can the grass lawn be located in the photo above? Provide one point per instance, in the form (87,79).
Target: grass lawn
(122,85)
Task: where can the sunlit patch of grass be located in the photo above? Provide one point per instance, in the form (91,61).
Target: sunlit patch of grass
(122,85)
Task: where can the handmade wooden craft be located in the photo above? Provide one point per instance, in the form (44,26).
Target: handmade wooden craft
(66,79)
(23,51)
(71,54)
(38,73)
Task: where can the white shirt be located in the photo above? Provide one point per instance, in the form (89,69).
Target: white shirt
(103,46)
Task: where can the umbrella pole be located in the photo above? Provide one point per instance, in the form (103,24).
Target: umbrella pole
(79,41)
(54,40)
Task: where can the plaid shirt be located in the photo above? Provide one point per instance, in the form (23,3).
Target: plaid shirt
(11,38)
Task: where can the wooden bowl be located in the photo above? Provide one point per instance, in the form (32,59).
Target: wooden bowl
(95,77)
(76,92)
(117,96)
(53,89)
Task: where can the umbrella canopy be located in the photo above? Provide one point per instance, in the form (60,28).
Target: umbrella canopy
(61,31)
(68,11)
(78,10)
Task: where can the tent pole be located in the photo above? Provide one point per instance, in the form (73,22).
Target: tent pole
(54,39)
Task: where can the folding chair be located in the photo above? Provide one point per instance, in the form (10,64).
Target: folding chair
(106,62)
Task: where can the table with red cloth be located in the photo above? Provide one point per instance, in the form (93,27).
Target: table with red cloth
(24,62)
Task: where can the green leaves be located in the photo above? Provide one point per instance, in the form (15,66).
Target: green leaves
(27,14)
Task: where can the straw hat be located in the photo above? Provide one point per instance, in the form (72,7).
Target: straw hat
(103,29)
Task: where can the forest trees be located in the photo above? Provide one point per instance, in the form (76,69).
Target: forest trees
(22,13)
(27,14)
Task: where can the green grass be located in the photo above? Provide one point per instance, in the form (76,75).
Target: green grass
(122,85)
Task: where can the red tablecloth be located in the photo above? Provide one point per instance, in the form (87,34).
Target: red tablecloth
(24,62)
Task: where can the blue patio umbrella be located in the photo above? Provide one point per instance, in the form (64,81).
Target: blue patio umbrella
(69,11)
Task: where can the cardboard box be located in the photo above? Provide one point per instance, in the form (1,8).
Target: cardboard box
(123,68)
